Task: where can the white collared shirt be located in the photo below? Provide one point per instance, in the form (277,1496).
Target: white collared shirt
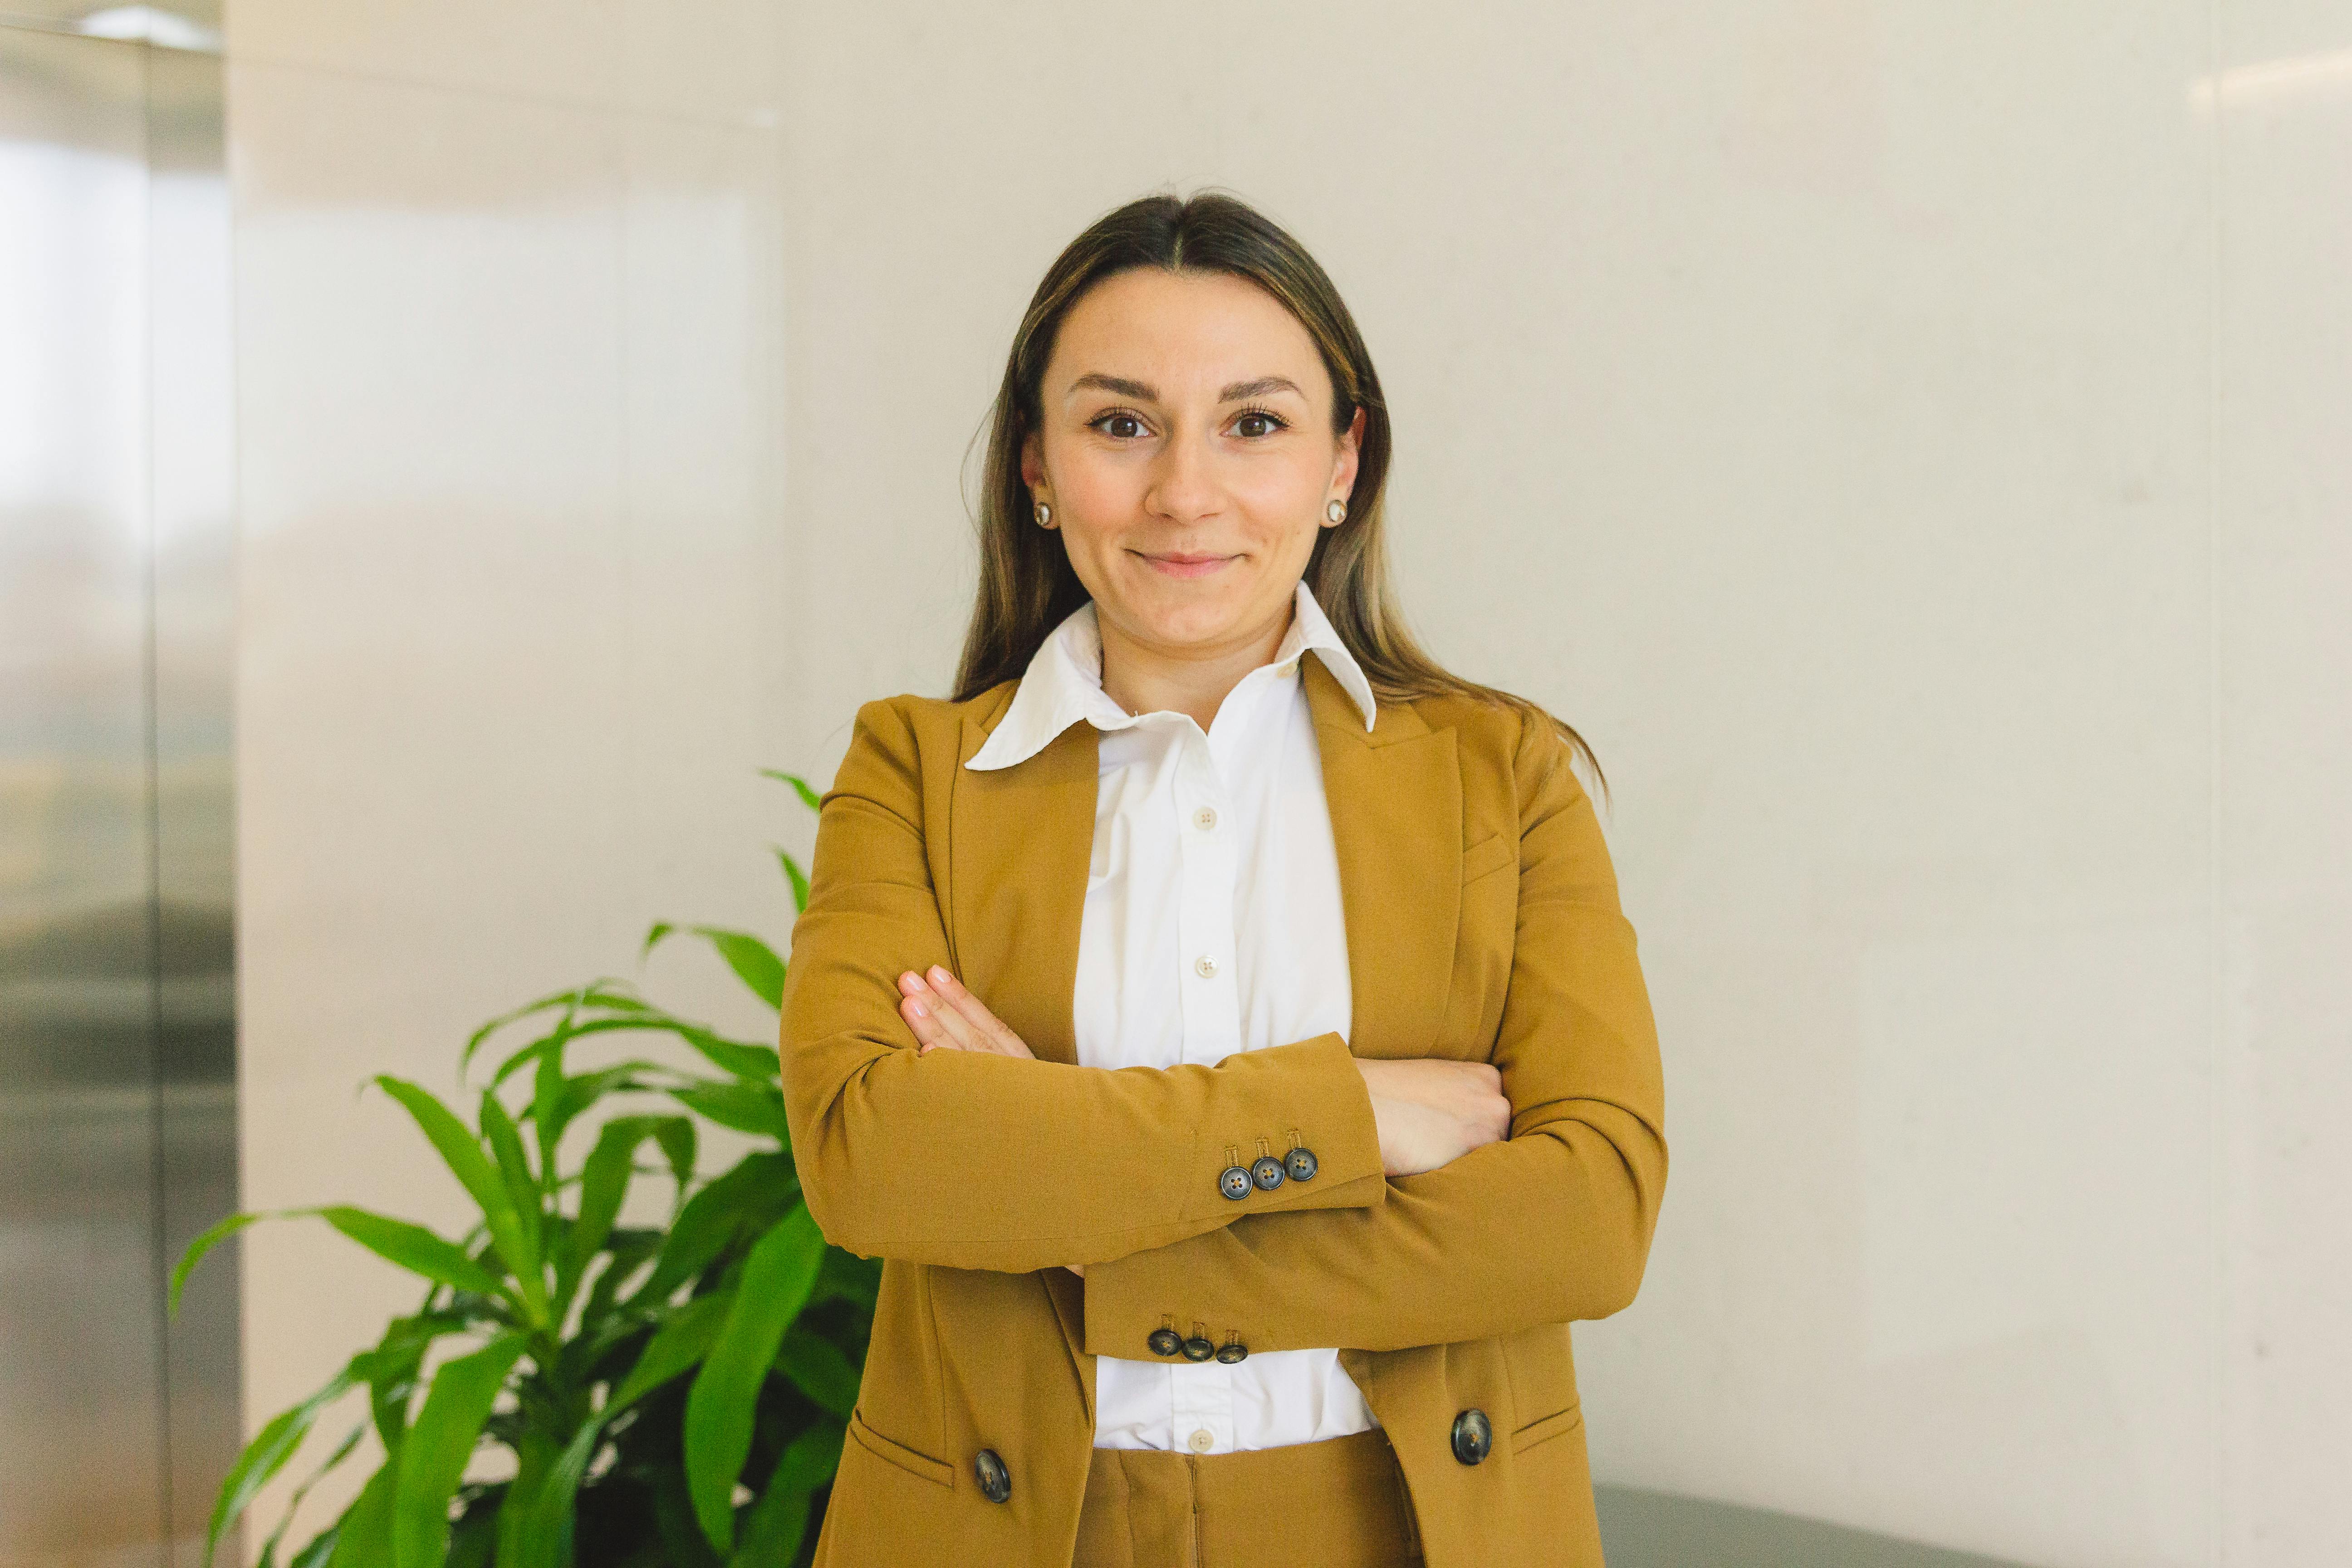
(1213,925)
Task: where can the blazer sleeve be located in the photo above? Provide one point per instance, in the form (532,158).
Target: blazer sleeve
(995,1163)
(1547,1225)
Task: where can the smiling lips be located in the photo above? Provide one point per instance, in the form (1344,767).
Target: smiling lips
(1178,566)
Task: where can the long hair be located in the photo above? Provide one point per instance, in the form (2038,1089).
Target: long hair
(1027,585)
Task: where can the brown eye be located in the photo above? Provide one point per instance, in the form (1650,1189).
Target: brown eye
(1255,424)
(1119,426)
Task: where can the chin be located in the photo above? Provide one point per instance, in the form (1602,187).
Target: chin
(1179,624)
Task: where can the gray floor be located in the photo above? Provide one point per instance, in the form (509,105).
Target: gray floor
(1652,1530)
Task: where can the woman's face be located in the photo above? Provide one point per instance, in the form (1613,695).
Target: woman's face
(1185,446)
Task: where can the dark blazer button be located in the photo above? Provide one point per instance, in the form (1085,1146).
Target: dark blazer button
(1235,1184)
(1267,1173)
(1230,1353)
(1199,1350)
(995,1480)
(1474,1436)
(1301,1164)
(1165,1341)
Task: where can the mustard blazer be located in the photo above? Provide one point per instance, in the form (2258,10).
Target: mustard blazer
(1483,924)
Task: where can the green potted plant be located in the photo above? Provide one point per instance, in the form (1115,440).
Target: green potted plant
(670,1395)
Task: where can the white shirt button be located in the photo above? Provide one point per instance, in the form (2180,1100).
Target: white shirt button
(1202,1440)
(1204,966)
(1204,820)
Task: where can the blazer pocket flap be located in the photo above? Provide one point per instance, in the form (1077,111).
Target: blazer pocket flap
(1550,1426)
(899,1454)
(1489,854)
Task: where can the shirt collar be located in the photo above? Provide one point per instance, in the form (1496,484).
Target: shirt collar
(1063,683)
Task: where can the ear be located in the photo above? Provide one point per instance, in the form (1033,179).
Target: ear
(1343,473)
(1032,460)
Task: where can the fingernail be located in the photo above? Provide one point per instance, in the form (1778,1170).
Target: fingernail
(939,974)
(910,982)
(917,1008)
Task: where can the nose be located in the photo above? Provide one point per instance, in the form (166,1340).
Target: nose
(1183,486)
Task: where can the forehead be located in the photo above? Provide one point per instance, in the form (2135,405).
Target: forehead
(1183,331)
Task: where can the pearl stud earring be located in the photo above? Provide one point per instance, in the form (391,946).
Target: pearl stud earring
(1044,515)
(1336,512)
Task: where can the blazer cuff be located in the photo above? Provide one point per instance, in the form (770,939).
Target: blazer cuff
(1321,1150)
(1294,1130)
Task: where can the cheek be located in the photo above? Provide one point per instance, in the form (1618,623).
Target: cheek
(1091,485)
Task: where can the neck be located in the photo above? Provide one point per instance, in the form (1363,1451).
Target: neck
(1144,678)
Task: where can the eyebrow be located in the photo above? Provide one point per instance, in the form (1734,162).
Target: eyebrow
(1146,392)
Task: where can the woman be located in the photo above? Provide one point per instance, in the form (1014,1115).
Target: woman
(1237,1056)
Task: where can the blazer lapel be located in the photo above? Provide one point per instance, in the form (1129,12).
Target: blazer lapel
(1395,798)
(1020,840)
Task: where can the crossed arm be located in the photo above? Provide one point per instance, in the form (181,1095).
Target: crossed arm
(985,1159)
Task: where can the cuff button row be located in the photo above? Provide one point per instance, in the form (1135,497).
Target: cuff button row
(1167,1343)
(1266,1173)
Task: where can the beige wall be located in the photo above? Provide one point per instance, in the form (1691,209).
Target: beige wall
(1898,435)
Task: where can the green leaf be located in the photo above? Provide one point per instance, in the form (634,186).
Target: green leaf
(794,875)
(391,1369)
(604,1187)
(546,1107)
(505,1140)
(849,1277)
(535,1456)
(363,1535)
(413,1247)
(773,1528)
(204,1243)
(266,1455)
(679,1347)
(734,1056)
(626,1257)
(754,1108)
(809,797)
(654,934)
(777,1278)
(675,1137)
(579,1094)
(755,963)
(602,993)
(819,1369)
(545,1540)
(473,1541)
(321,1548)
(644,1017)
(432,1459)
(462,1152)
(750,1197)
(269,1558)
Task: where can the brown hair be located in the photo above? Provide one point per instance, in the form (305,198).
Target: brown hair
(1026,582)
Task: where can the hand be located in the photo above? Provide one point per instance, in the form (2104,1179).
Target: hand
(946,1016)
(1430,1111)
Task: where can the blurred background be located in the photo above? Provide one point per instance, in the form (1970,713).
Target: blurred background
(1908,437)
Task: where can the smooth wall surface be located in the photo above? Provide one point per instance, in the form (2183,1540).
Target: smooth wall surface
(1901,436)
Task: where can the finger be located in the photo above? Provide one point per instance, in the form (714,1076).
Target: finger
(929,1035)
(990,1033)
(920,1007)
(952,1027)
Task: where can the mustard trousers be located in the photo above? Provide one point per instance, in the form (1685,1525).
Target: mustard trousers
(1339,1503)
